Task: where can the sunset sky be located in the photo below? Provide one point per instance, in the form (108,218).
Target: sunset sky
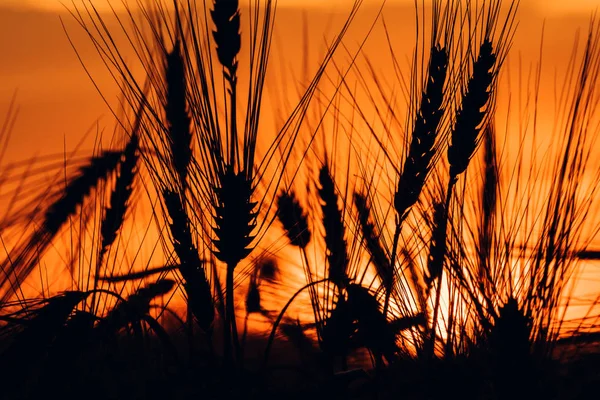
(58,102)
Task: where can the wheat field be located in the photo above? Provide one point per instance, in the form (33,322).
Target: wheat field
(401,211)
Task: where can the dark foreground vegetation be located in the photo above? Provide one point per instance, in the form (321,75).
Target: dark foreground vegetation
(435,264)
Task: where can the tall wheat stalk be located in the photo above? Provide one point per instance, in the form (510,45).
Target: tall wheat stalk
(202,139)
(474,111)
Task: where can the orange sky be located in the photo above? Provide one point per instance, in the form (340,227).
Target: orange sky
(58,102)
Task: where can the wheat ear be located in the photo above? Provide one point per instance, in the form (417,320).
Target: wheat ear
(17,267)
(464,140)
(178,120)
(78,188)
(473,109)
(119,197)
(420,154)
(371,238)
(226,17)
(293,218)
(190,265)
(333,222)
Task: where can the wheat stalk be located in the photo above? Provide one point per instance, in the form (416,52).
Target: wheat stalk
(295,223)
(16,268)
(190,265)
(99,168)
(293,218)
(372,242)
(178,120)
(489,198)
(114,214)
(333,222)
(419,159)
(235,218)
(465,134)
(226,17)
(473,109)
(418,162)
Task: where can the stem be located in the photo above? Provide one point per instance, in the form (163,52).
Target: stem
(227,326)
(314,301)
(388,293)
(388,290)
(438,292)
(231,334)
(99,263)
(233,123)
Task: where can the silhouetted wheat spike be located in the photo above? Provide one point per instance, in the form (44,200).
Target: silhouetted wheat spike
(437,245)
(44,322)
(119,197)
(418,161)
(293,218)
(178,120)
(470,115)
(253,299)
(235,220)
(333,222)
(371,238)
(421,151)
(191,267)
(114,214)
(295,223)
(179,135)
(16,268)
(435,264)
(78,188)
(464,140)
(226,17)
(253,304)
(235,217)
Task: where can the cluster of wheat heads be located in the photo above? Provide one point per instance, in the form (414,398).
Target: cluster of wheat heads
(459,265)
(415,275)
(192,147)
(454,102)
